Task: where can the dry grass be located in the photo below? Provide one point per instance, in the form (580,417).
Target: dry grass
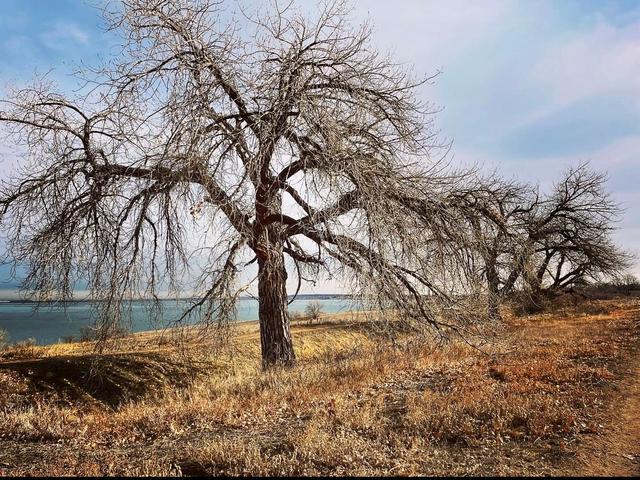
(353,405)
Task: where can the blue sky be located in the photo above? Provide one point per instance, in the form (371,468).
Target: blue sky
(526,87)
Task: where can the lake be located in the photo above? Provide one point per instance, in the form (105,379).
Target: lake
(53,322)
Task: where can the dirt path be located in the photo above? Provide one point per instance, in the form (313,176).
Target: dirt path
(617,452)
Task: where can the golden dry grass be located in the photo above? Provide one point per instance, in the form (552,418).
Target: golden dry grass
(353,405)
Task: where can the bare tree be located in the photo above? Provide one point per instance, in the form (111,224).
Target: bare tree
(276,134)
(313,311)
(571,233)
(497,212)
(546,243)
(627,283)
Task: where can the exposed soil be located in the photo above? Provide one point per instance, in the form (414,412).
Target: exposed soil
(617,451)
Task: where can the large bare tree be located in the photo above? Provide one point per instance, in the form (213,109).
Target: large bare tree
(279,134)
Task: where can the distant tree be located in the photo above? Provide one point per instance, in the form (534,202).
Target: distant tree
(313,311)
(570,234)
(628,283)
(543,244)
(497,212)
(209,127)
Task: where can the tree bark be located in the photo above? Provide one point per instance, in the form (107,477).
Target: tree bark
(493,304)
(275,335)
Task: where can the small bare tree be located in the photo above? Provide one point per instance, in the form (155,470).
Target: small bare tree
(313,311)
(275,134)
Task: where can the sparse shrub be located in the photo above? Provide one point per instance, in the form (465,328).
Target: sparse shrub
(92,333)
(4,339)
(24,349)
(313,311)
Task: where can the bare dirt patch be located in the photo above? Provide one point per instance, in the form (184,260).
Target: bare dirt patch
(617,451)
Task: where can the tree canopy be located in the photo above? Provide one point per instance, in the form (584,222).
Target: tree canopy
(281,134)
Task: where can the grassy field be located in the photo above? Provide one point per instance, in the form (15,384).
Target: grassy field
(542,397)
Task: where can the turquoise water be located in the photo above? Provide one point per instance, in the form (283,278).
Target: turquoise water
(53,322)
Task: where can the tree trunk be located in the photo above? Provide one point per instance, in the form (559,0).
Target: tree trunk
(275,335)
(493,306)
(493,281)
(535,295)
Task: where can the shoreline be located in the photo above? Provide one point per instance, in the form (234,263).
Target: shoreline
(246,325)
(305,296)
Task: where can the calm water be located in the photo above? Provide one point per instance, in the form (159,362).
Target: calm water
(51,323)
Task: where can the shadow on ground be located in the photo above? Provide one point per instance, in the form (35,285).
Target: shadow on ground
(109,379)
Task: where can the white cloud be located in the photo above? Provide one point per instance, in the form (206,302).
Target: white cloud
(63,35)
(429,33)
(601,60)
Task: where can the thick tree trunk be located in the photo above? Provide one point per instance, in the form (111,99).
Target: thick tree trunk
(275,335)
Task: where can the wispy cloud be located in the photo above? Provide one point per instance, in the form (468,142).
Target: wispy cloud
(431,32)
(530,88)
(64,35)
(601,59)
